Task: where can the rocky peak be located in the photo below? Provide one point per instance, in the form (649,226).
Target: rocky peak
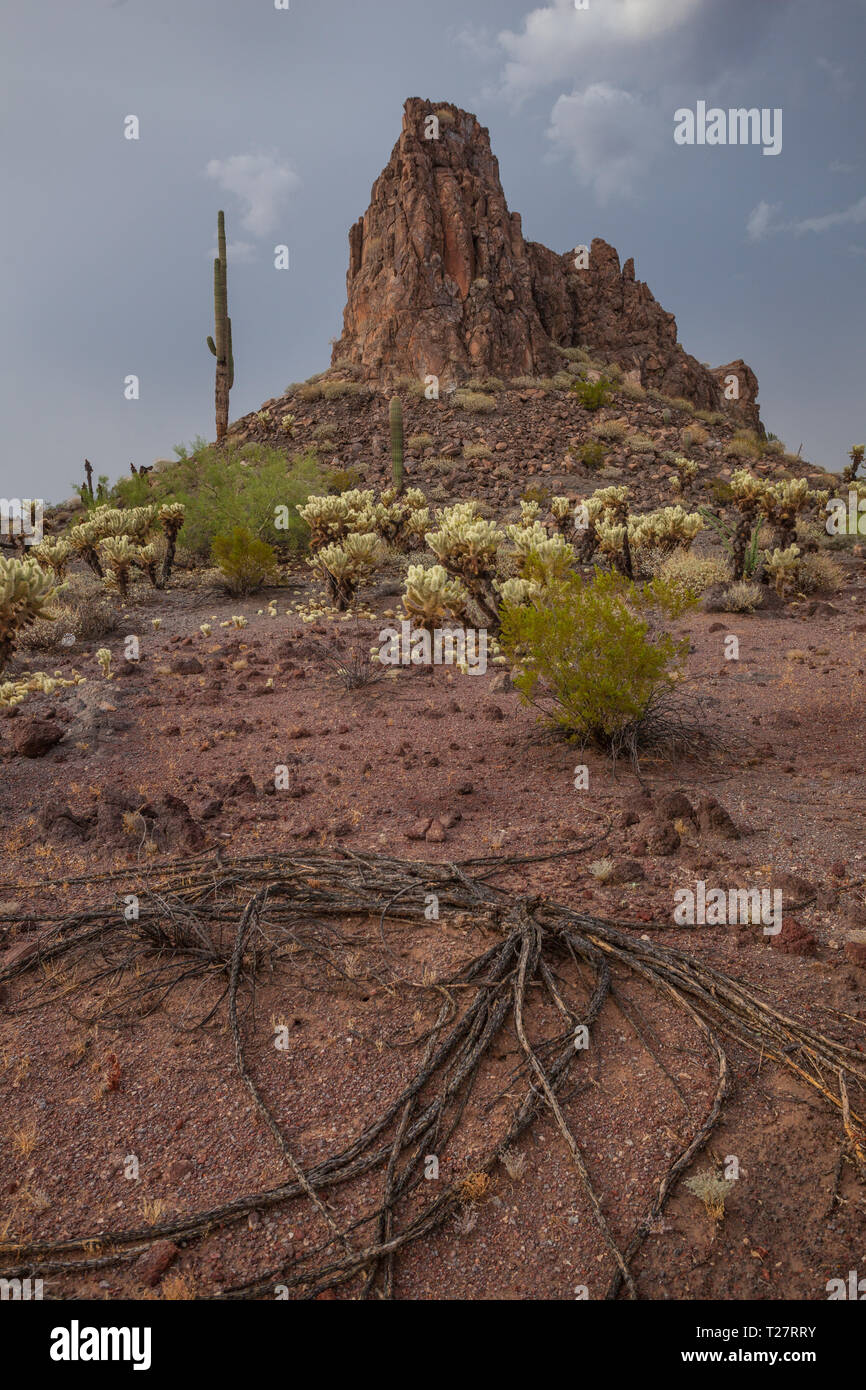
(441,281)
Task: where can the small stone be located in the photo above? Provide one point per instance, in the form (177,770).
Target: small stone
(418,829)
(151,1266)
(436,833)
(855,948)
(794,939)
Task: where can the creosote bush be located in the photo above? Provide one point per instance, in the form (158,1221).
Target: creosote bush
(588,660)
(244,561)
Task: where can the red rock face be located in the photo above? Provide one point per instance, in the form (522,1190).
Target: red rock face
(441,281)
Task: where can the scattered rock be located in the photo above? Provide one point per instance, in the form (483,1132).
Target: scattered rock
(713,819)
(152,1265)
(436,833)
(502,683)
(663,839)
(35,737)
(625,871)
(855,948)
(674,805)
(794,939)
(186,666)
(418,829)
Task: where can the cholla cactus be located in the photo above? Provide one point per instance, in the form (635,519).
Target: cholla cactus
(562,511)
(103,656)
(205,629)
(13,692)
(782,566)
(146,558)
(118,555)
(529,512)
(781,503)
(171,516)
(608,515)
(332,518)
(417,526)
(687,471)
(667,530)
(548,560)
(25,593)
(748,491)
(466,545)
(526,537)
(288,423)
(516,592)
(53,553)
(345,566)
(83,540)
(431,595)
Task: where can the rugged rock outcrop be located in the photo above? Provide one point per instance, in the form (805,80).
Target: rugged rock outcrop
(441,281)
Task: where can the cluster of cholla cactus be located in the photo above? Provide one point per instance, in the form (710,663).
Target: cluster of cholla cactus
(466,545)
(782,567)
(53,553)
(13,692)
(431,595)
(687,471)
(346,564)
(114,540)
(662,532)
(26,591)
(401,521)
(778,504)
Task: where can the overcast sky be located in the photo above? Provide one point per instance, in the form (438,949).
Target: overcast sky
(285,118)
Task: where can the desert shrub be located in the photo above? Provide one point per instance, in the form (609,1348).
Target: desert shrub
(721,492)
(744,444)
(743,596)
(325,431)
(477,451)
(818,574)
(592,453)
(343,480)
(592,394)
(612,431)
(694,436)
(774,446)
(711,417)
(410,385)
(640,444)
(339,390)
(632,390)
(310,391)
(691,574)
(576,354)
(587,659)
(485,383)
(535,493)
(681,403)
(476,402)
(236,485)
(417,442)
(244,561)
(712,1189)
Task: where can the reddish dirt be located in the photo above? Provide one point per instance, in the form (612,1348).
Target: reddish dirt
(366,768)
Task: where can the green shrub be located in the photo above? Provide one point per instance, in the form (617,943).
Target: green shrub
(325,431)
(592,453)
(586,658)
(592,394)
(244,561)
(477,402)
(418,442)
(343,480)
(477,451)
(611,430)
(234,485)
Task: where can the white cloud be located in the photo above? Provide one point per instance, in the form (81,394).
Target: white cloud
(846,217)
(557,38)
(609,135)
(262,183)
(477,43)
(760,222)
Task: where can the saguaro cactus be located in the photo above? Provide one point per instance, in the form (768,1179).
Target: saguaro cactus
(221,344)
(396,414)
